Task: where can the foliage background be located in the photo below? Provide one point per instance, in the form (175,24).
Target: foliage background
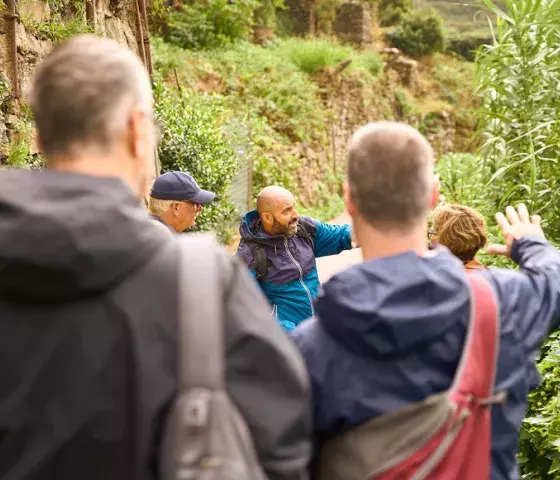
(518,77)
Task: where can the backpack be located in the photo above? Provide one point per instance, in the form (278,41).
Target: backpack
(261,262)
(448,435)
(205,436)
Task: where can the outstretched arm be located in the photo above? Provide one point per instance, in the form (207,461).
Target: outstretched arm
(332,239)
(531,295)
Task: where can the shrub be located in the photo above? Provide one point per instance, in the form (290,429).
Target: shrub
(392,12)
(539,439)
(311,56)
(467,45)
(192,141)
(420,33)
(211,23)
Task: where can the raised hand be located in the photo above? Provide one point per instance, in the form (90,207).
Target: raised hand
(515,224)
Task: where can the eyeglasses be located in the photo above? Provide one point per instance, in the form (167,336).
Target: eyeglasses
(431,233)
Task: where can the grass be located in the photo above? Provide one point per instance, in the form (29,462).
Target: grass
(312,56)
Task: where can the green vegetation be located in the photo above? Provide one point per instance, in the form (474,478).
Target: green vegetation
(467,23)
(272,94)
(466,17)
(419,33)
(211,24)
(192,140)
(312,56)
(518,78)
(57,30)
(59,27)
(392,12)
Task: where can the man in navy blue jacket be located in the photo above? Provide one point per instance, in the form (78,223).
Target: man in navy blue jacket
(389,332)
(288,245)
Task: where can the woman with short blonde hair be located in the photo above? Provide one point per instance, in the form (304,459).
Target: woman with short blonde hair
(462,230)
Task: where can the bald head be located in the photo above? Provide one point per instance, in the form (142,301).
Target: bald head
(270,197)
(390,175)
(276,207)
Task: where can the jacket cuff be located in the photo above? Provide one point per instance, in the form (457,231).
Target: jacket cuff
(524,245)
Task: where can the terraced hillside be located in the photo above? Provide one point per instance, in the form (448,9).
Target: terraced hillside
(464,17)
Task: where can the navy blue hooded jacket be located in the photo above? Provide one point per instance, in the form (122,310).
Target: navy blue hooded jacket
(390,332)
(292,281)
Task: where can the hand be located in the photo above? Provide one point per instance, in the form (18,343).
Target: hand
(515,224)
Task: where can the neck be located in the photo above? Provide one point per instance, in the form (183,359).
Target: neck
(169,219)
(377,244)
(98,164)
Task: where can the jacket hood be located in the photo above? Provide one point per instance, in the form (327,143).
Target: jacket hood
(64,236)
(251,229)
(387,306)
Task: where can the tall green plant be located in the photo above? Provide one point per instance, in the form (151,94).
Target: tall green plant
(518,77)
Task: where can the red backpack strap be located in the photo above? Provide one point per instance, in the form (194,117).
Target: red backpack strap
(477,368)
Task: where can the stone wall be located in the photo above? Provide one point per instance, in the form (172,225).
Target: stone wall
(114,19)
(300,14)
(353,24)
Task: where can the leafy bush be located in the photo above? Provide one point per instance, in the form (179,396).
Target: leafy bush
(539,440)
(392,12)
(192,141)
(467,45)
(420,33)
(211,23)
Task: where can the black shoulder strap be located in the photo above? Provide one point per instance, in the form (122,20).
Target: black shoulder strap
(259,260)
(304,233)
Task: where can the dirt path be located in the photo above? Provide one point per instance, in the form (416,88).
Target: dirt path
(328,266)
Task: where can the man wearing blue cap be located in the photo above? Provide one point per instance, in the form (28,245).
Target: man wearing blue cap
(176,200)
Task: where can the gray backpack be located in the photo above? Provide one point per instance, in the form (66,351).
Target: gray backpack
(206,437)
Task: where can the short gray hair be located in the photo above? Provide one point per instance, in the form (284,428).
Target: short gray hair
(84,92)
(390,174)
(158,207)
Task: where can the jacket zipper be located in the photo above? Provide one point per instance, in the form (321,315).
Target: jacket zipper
(300,276)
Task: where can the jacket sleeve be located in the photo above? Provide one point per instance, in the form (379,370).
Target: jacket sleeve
(530,297)
(266,378)
(331,239)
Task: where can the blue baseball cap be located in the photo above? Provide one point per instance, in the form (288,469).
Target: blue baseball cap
(180,186)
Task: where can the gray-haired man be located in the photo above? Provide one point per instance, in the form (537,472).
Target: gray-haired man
(89,294)
(176,200)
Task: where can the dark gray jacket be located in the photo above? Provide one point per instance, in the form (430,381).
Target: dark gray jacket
(88,320)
